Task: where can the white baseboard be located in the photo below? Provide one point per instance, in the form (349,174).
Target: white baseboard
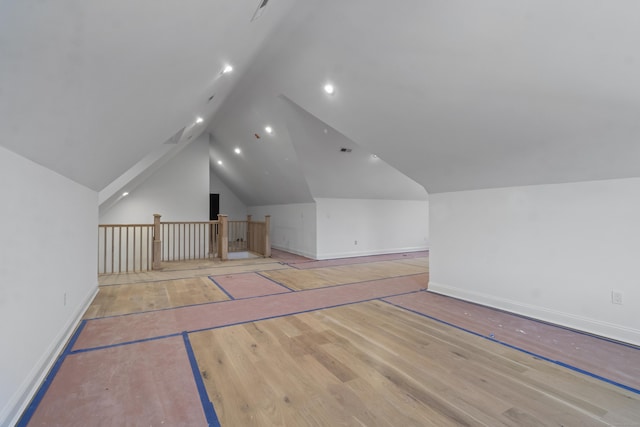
(295,251)
(29,387)
(353,254)
(569,320)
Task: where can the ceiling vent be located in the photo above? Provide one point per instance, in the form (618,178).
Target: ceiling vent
(262,4)
(175,138)
(345,150)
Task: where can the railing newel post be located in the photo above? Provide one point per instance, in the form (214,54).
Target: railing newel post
(223,238)
(267,234)
(249,237)
(157,243)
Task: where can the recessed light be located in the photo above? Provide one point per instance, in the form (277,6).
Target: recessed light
(199,120)
(219,162)
(227,69)
(125,194)
(329,88)
(268,129)
(373,156)
(238,150)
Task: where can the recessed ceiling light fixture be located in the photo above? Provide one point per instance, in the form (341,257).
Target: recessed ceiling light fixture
(227,69)
(329,89)
(199,120)
(268,129)
(237,150)
(220,162)
(374,156)
(125,194)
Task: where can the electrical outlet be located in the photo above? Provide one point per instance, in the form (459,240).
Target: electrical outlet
(616,297)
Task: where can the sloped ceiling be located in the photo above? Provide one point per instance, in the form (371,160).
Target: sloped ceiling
(459,94)
(336,167)
(455,94)
(88,88)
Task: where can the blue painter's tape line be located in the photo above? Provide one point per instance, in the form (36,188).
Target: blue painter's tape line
(44,387)
(75,337)
(207,405)
(274,281)
(221,287)
(259,296)
(160,337)
(277,316)
(104,347)
(533,319)
(539,356)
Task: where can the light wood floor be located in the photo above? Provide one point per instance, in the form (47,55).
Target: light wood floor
(124,299)
(372,364)
(364,364)
(181,270)
(331,276)
(178,285)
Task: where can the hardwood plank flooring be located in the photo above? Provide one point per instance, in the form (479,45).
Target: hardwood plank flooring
(375,364)
(196,270)
(125,299)
(329,276)
(370,360)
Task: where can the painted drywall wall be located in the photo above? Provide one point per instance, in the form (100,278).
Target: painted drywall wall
(554,252)
(179,191)
(293,227)
(230,204)
(357,227)
(47,272)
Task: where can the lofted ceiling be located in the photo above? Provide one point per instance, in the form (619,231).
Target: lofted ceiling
(451,95)
(88,88)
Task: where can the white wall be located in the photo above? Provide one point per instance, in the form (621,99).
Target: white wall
(378,226)
(293,227)
(230,204)
(554,252)
(179,191)
(47,272)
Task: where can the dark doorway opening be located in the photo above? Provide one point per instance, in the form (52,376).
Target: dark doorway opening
(214,206)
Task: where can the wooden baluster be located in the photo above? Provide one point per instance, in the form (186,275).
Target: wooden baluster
(126,246)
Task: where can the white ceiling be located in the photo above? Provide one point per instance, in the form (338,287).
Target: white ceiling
(454,94)
(88,88)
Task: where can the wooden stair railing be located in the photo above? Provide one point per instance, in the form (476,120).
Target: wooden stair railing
(126,248)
